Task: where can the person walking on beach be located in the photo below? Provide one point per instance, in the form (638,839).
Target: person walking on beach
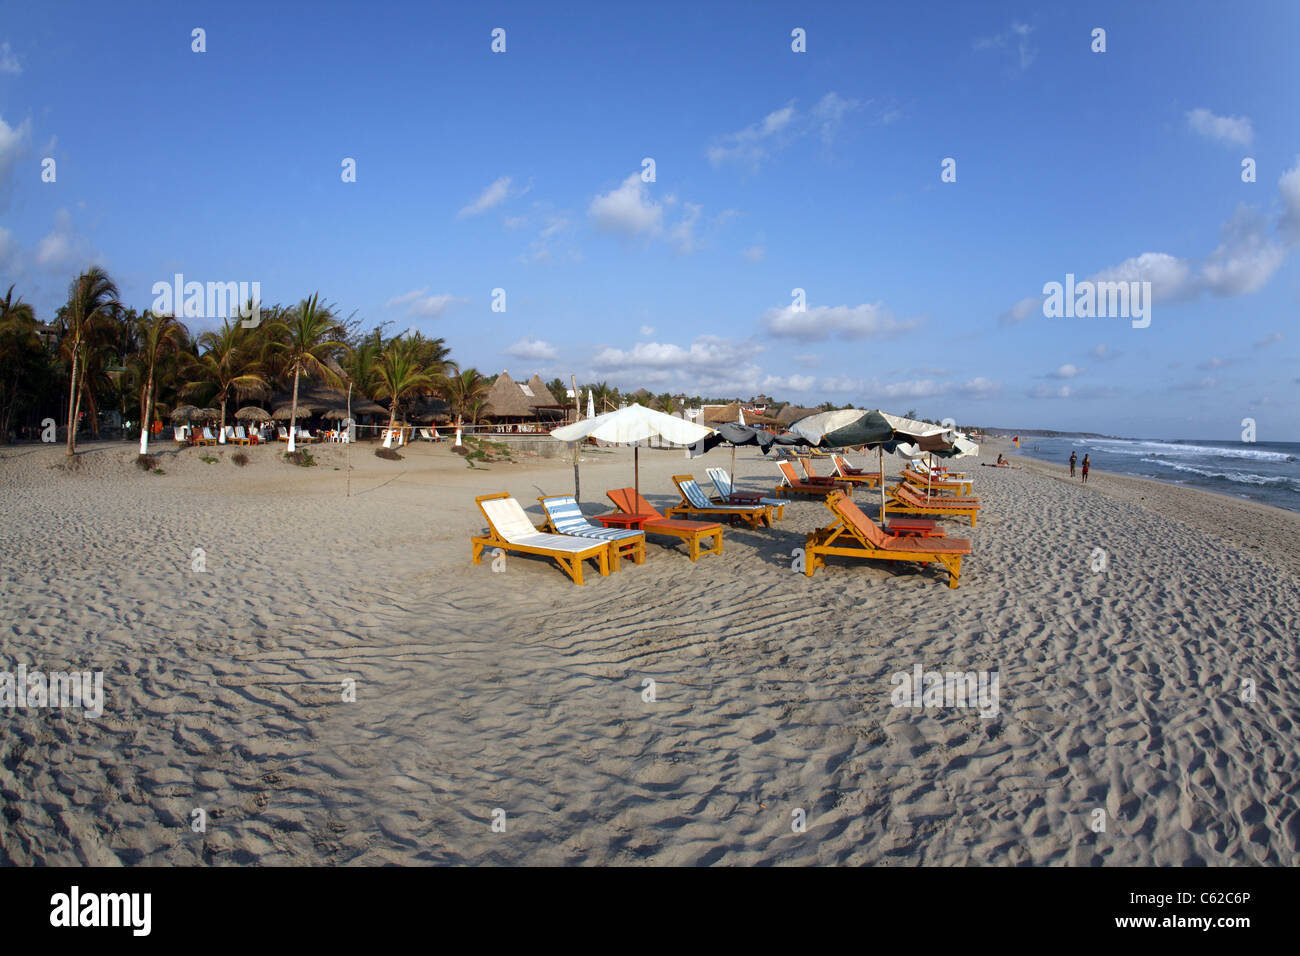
(1073,458)
(1086,463)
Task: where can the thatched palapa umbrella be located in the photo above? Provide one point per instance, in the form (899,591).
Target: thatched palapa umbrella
(183,413)
(253,414)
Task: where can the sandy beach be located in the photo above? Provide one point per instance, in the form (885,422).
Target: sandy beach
(477,691)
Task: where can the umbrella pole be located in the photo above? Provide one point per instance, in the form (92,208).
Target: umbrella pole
(636,469)
(880,457)
(577,486)
(733,467)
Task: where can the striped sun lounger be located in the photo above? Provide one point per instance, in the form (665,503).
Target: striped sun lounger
(695,501)
(728,495)
(563,516)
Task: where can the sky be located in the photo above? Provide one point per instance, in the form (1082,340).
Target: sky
(773,170)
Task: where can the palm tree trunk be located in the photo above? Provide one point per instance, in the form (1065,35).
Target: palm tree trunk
(144,422)
(72,391)
(293,412)
(392,420)
(458,427)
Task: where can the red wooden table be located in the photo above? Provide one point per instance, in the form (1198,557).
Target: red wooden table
(917,527)
(619,519)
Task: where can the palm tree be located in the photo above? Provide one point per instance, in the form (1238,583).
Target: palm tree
(92,296)
(400,374)
(462,389)
(225,365)
(160,335)
(20,355)
(307,342)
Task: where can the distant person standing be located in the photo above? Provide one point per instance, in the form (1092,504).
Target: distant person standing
(1086,463)
(1074,456)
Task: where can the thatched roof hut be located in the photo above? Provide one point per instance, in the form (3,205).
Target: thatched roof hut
(793,413)
(528,401)
(720,414)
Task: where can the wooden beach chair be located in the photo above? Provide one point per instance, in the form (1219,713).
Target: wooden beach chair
(811,476)
(847,472)
(208,438)
(510,530)
(905,500)
(281,434)
(694,533)
(936,484)
(854,535)
(792,484)
(563,516)
(920,466)
(695,501)
(728,495)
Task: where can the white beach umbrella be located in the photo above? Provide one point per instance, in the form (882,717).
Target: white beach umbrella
(591,404)
(634,423)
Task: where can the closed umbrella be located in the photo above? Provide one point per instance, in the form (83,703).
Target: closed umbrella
(634,423)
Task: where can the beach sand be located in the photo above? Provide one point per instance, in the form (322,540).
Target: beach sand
(477,691)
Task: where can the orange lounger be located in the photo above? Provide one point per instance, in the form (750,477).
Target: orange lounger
(792,484)
(854,535)
(510,530)
(907,501)
(855,475)
(694,533)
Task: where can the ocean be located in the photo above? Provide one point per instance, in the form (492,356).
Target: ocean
(1268,472)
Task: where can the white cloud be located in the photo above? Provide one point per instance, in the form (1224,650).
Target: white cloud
(753,144)
(682,235)
(1225,129)
(1288,188)
(1170,277)
(979,388)
(708,365)
(532,349)
(753,253)
(829,114)
(790,383)
(1209,365)
(9,60)
(515,222)
(1022,310)
(847,322)
(1271,339)
(1066,371)
(494,195)
(646,331)
(12,142)
(1104,352)
(1017,36)
(1046,391)
(1200,385)
(627,210)
(62,246)
(425,307)
(1246,258)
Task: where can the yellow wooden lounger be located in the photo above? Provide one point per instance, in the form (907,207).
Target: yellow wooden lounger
(935,483)
(510,530)
(854,535)
(695,501)
(906,501)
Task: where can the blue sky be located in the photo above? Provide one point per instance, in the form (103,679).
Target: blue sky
(774,170)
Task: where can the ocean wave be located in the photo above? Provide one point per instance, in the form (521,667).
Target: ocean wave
(1138,448)
(1238,477)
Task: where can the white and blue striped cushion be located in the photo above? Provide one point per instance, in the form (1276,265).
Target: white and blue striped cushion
(698,499)
(722,483)
(569,519)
